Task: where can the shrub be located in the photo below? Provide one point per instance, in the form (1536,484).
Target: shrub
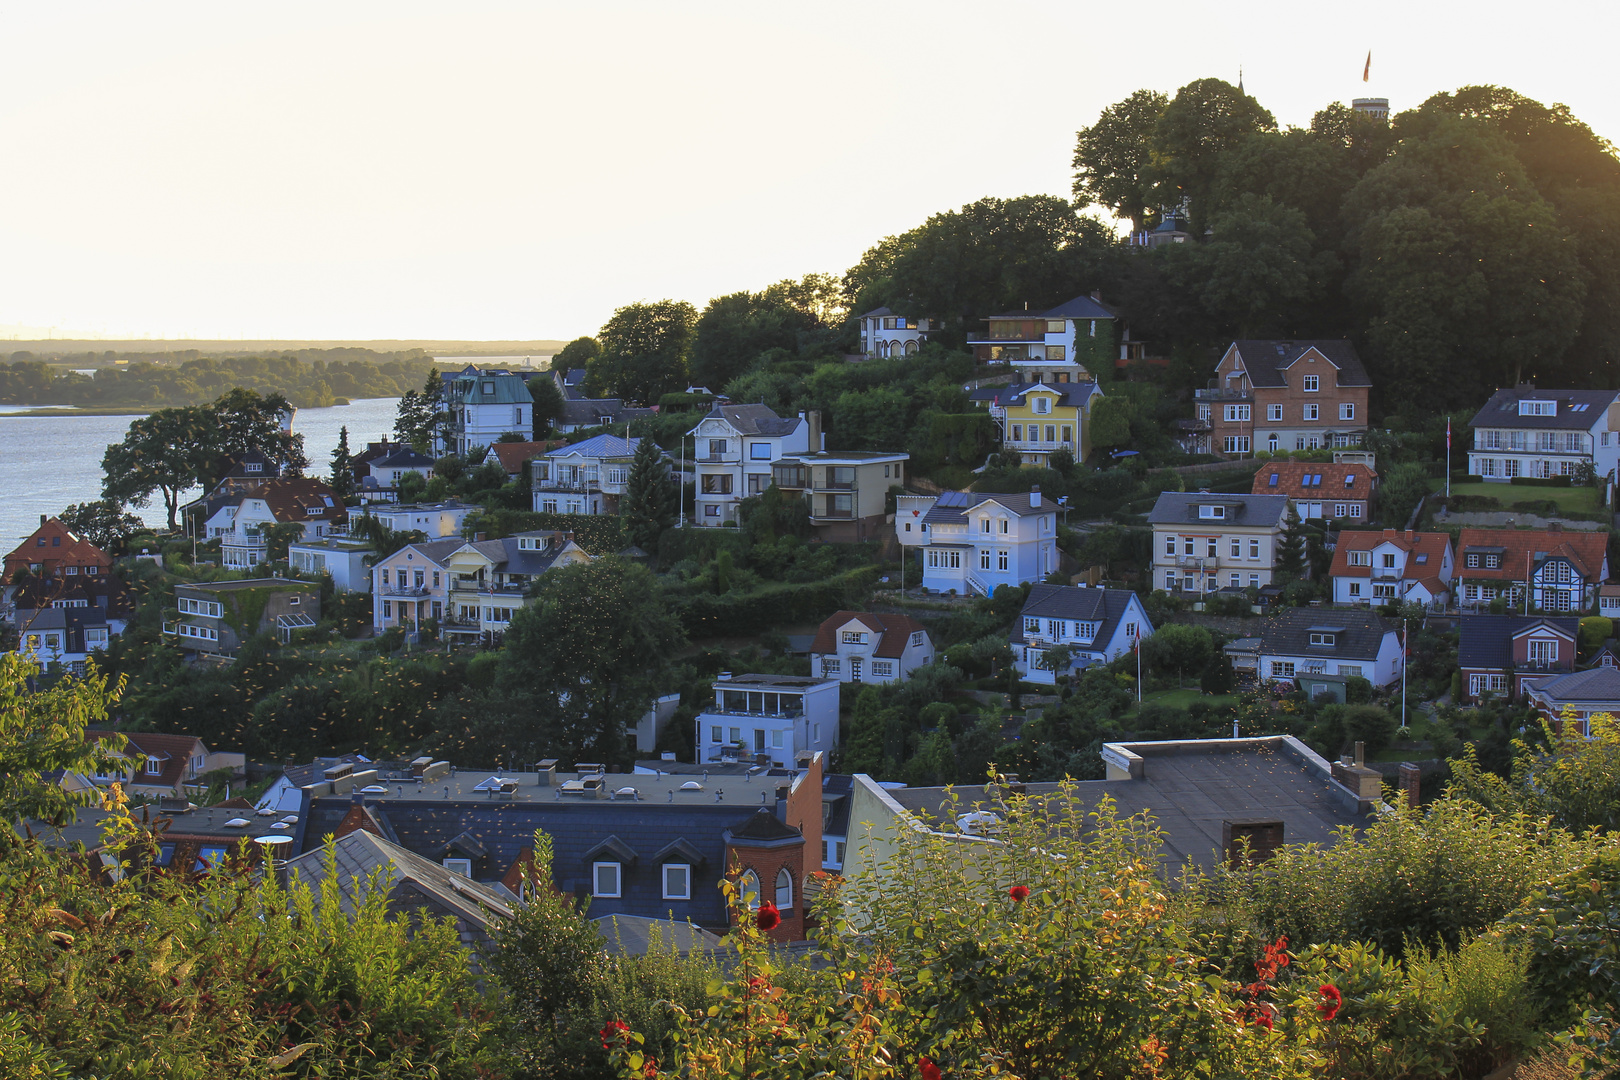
(1540,481)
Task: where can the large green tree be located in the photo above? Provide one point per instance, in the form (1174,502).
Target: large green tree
(162,453)
(734,330)
(592,652)
(645,351)
(245,421)
(1205,120)
(41,734)
(105,523)
(651,499)
(1112,158)
(342,479)
(548,404)
(575,354)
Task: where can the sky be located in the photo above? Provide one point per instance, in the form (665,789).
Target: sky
(488,171)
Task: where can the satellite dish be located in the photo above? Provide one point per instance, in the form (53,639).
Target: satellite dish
(272,841)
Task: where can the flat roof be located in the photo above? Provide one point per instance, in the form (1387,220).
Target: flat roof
(794,682)
(754,787)
(249,583)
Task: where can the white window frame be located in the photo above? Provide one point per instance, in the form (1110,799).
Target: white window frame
(1311,384)
(663,877)
(1347,410)
(618,880)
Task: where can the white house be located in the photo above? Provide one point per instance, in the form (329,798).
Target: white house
(778,716)
(338,556)
(733,447)
(386,470)
(1041,345)
(885,334)
(1530,432)
(978,540)
(240,521)
(860,646)
(586,478)
(1392,567)
(469,587)
(1095,625)
(433,520)
(1330,641)
(481,406)
(1203,542)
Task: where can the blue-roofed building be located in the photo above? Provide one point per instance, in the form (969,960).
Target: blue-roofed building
(1530,432)
(586,478)
(1095,625)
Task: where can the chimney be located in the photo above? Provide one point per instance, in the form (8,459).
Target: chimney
(1361,753)
(1555,526)
(548,773)
(42,519)
(1410,535)
(1411,784)
(816,441)
(1096,294)
(1035,497)
(478,537)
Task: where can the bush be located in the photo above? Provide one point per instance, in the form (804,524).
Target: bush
(1540,481)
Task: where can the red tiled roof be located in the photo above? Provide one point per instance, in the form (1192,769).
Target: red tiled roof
(1586,549)
(1291,474)
(174,751)
(1415,543)
(896,631)
(71,551)
(300,498)
(512,455)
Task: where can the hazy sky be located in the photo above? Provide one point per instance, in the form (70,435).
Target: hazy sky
(483,170)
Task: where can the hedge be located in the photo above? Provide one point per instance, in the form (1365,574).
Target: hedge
(706,615)
(598,534)
(1467,478)
(698,543)
(1541,481)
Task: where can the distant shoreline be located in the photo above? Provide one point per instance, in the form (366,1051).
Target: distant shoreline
(88,410)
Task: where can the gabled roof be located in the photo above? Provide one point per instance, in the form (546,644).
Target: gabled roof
(1254,511)
(512,455)
(406,457)
(1315,480)
(1103,606)
(588,412)
(1081,307)
(1074,394)
(753,420)
(1486,641)
(1585,549)
(102,593)
(762,828)
(174,751)
(1358,634)
(1426,552)
(598,446)
(362,854)
(1577,410)
(1265,360)
(1600,684)
(72,550)
(956,512)
(894,631)
(302,498)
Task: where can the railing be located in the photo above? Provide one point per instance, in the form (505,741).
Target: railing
(720,459)
(578,487)
(716,710)
(489,590)
(977,586)
(1218,394)
(405,590)
(831,512)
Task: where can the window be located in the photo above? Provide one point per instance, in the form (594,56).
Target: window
(1068,433)
(917,639)
(1389,560)
(1170,545)
(1032,626)
(1313,411)
(1543,651)
(784,889)
(1282,669)
(1235,444)
(1237,547)
(717,483)
(1472,559)
(1313,383)
(210,608)
(748,889)
(759,451)
(1211,512)
(984,559)
(677,881)
(829,667)
(1347,410)
(1320,638)
(388,609)
(714,731)
(605,879)
(1004,526)
(854,637)
(1538,408)
(1040,406)
(1355,588)
(1236,414)
(1170,580)
(1254,548)
(879,667)
(1274,412)
(208,858)
(1236,581)
(1051,433)
(459,866)
(1018,433)
(717,447)
(154,767)
(253,467)
(1360,558)
(1254,581)
(165,854)
(1212,547)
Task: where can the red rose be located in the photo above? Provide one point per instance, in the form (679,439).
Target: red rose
(614,1031)
(928,1070)
(768,918)
(1332,1001)
(1019,893)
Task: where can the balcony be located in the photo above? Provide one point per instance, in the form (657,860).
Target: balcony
(481,589)
(573,487)
(405,590)
(1227,394)
(830,512)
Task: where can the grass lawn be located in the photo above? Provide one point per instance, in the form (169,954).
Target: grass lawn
(1180,699)
(1579,500)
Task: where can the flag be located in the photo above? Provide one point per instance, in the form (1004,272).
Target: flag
(1448,434)
(1366,72)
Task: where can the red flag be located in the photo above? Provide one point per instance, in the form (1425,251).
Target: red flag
(1366,71)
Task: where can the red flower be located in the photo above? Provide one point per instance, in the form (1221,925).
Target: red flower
(650,1069)
(768,918)
(928,1070)
(1019,893)
(614,1031)
(1258,1014)
(1332,1001)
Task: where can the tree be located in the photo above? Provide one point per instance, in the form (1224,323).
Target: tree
(105,523)
(422,414)
(645,349)
(1206,119)
(1178,647)
(1291,552)
(1403,488)
(161,452)
(734,330)
(1258,271)
(342,480)
(576,354)
(384,541)
(41,734)
(592,651)
(245,422)
(650,497)
(548,404)
(1112,156)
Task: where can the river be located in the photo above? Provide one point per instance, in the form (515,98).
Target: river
(47,462)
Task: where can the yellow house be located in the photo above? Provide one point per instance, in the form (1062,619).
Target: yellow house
(1036,419)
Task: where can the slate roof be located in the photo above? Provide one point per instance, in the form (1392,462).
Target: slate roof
(1104,606)
(1486,641)
(1585,549)
(894,631)
(509,389)
(1255,511)
(1315,480)
(763,827)
(954,513)
(753,420)
(362,854)
(1081,307)
(588,412)
(1578,410)
(1265,360)
(1428,547)
(404,458)
(72,621)
(512,455)
(633,934)
(598,446)
(1072,394)
(1600,684)
(1358,634)
(1190,788)
(877,311)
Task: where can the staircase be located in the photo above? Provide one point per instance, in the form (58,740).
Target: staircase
(975,585)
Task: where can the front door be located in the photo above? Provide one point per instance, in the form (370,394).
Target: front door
(855,669)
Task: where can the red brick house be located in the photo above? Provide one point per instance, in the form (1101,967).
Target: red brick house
(1285,395)
(1320,489)
(1506,655)
(53,551)
(1562,567)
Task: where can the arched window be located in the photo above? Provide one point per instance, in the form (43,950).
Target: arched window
(911,348)
(896,349)
(784,889)
(748,889)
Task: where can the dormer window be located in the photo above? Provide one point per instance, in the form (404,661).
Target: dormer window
(1350,480)
(253,466)
(1216,513)
(1538,408)
(1493,562)
(1273,481)
(154,767)
(1360,558)
(1322,637)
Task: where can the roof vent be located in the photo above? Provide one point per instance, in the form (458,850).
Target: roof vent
(691,785)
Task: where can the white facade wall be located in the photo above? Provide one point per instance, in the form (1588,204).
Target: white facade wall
(995,546)
(732,465)
(781,732)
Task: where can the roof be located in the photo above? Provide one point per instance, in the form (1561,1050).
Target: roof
(302,498)
(1358,633)
(1081,307)
(763,826)
(1587,550)
(102,593)
(954,513)
(598,446)
(789,682)
(512,455)
(876,311)
(1577,410)
(1252,511)
(508,389)
(1315,479)
(404,458)
(894,631)
(588,412)
(754,420)
(1486,641)
(634,934)
(1599,684)
(1103,606)
(1075,394)
(74,551)
(1191,788)
(1426,552)
(247,583)
(303,775)
(1265,360)
(850,457)
(174,751)
(362,854)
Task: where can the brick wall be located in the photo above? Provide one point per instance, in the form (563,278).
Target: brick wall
(766,863)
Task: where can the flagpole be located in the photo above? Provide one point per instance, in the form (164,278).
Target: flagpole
(1448,457)
(1405,651)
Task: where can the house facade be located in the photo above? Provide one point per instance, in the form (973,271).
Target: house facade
(1285,395)
(979,540)
(240,522)
(511,456)
(1327,641)
(588,477)
(155,764)
(481,406)
(216,617)
(1575,698)
(1203,542)
(338,557)
(433,520)
(1038,419)
(52,551)
(580,413)
(62,622)
(860,646)
(1561,568)
(468,587)
(1321,490)
(1095,626)
(733,448)
(1392,567)
(1530,432)
(885,334)
(1039,345)
(770,717)
(846,491)
(383,473)
(1505,655)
